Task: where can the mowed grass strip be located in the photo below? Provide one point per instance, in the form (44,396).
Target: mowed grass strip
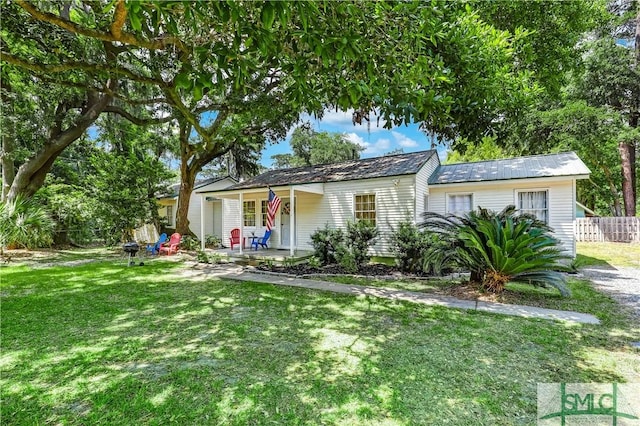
(106,344)
(608,254)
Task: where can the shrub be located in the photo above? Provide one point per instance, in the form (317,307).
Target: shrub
(189,243)
(408,244)
(72,211)
(314,262)
(202,257)
(212,241)
(498,248)
(25,223)
(289,262)
(360,237)
(347,260)
(325,244)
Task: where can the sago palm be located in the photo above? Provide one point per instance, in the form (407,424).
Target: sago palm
(498,248)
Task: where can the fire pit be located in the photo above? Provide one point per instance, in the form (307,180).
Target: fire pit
(131,248)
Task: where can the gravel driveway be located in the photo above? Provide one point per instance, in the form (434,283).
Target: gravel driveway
(621,283)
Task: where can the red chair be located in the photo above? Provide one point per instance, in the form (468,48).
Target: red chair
(235,238)
(171,246)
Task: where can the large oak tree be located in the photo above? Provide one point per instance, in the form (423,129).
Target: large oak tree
(233,73)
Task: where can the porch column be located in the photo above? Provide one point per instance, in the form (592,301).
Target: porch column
(292,222)
(203,199)
(241,222)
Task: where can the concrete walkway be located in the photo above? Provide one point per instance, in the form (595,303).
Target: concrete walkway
(238,273)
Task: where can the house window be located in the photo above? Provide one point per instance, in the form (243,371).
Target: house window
(365,208)
(249,213)
(535,203)
(264,205)
(459,204)
(170,216)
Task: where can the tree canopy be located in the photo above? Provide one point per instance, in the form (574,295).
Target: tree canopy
(311,147)
(256,66)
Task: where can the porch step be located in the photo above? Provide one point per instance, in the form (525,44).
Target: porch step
(254,258)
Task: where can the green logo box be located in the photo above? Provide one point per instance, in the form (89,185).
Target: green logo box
(587,404)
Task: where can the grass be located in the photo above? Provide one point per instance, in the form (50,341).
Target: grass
(608,254)
(102,343)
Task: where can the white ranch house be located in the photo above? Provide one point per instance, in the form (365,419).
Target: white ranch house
(388,190)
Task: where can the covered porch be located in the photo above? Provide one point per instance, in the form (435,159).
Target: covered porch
(246,209)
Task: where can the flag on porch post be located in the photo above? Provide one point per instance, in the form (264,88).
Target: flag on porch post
(272,208)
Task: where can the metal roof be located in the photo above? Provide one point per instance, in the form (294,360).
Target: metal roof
(534,166)
(391,165)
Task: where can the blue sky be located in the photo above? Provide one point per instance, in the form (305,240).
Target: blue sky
(375,140)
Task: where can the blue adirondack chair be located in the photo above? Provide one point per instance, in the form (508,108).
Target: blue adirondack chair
(155,248)
(261,241)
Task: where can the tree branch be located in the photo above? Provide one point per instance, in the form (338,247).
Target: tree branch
(74,66)
(122,37)
(137,120)
(119,17)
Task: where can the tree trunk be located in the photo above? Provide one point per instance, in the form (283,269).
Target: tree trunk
(32,173)
(616,208)
(188,179)
(188,172)
(626,157)
(7,151)
(8,169)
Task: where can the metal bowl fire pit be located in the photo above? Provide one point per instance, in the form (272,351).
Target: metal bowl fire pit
(131,248)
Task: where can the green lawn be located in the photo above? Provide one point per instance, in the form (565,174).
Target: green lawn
(105,344)
(613,254)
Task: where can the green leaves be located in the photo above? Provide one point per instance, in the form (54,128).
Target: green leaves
(24,223)
(499,246)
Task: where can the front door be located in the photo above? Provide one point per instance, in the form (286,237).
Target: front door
(285,222)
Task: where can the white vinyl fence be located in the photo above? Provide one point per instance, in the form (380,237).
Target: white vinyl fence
(618,229)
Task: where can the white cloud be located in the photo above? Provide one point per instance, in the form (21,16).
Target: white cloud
(341,121)
(378,147)
(355,138)
(404,141)
(338,118)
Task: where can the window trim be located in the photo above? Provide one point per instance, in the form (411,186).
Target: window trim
(247,214)
(263,212)
(170,221)
(517,191)
(375,206)
(450,194)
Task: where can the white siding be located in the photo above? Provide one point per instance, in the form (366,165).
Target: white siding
(498,195)
(194,214)
(394,202)
(230,219)
(422,186)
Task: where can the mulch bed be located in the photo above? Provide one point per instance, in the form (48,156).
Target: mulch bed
(376,269)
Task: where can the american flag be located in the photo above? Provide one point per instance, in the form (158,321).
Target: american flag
(272,208)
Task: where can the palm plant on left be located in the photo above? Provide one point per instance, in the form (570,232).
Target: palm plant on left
(498,248)
(24,223)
